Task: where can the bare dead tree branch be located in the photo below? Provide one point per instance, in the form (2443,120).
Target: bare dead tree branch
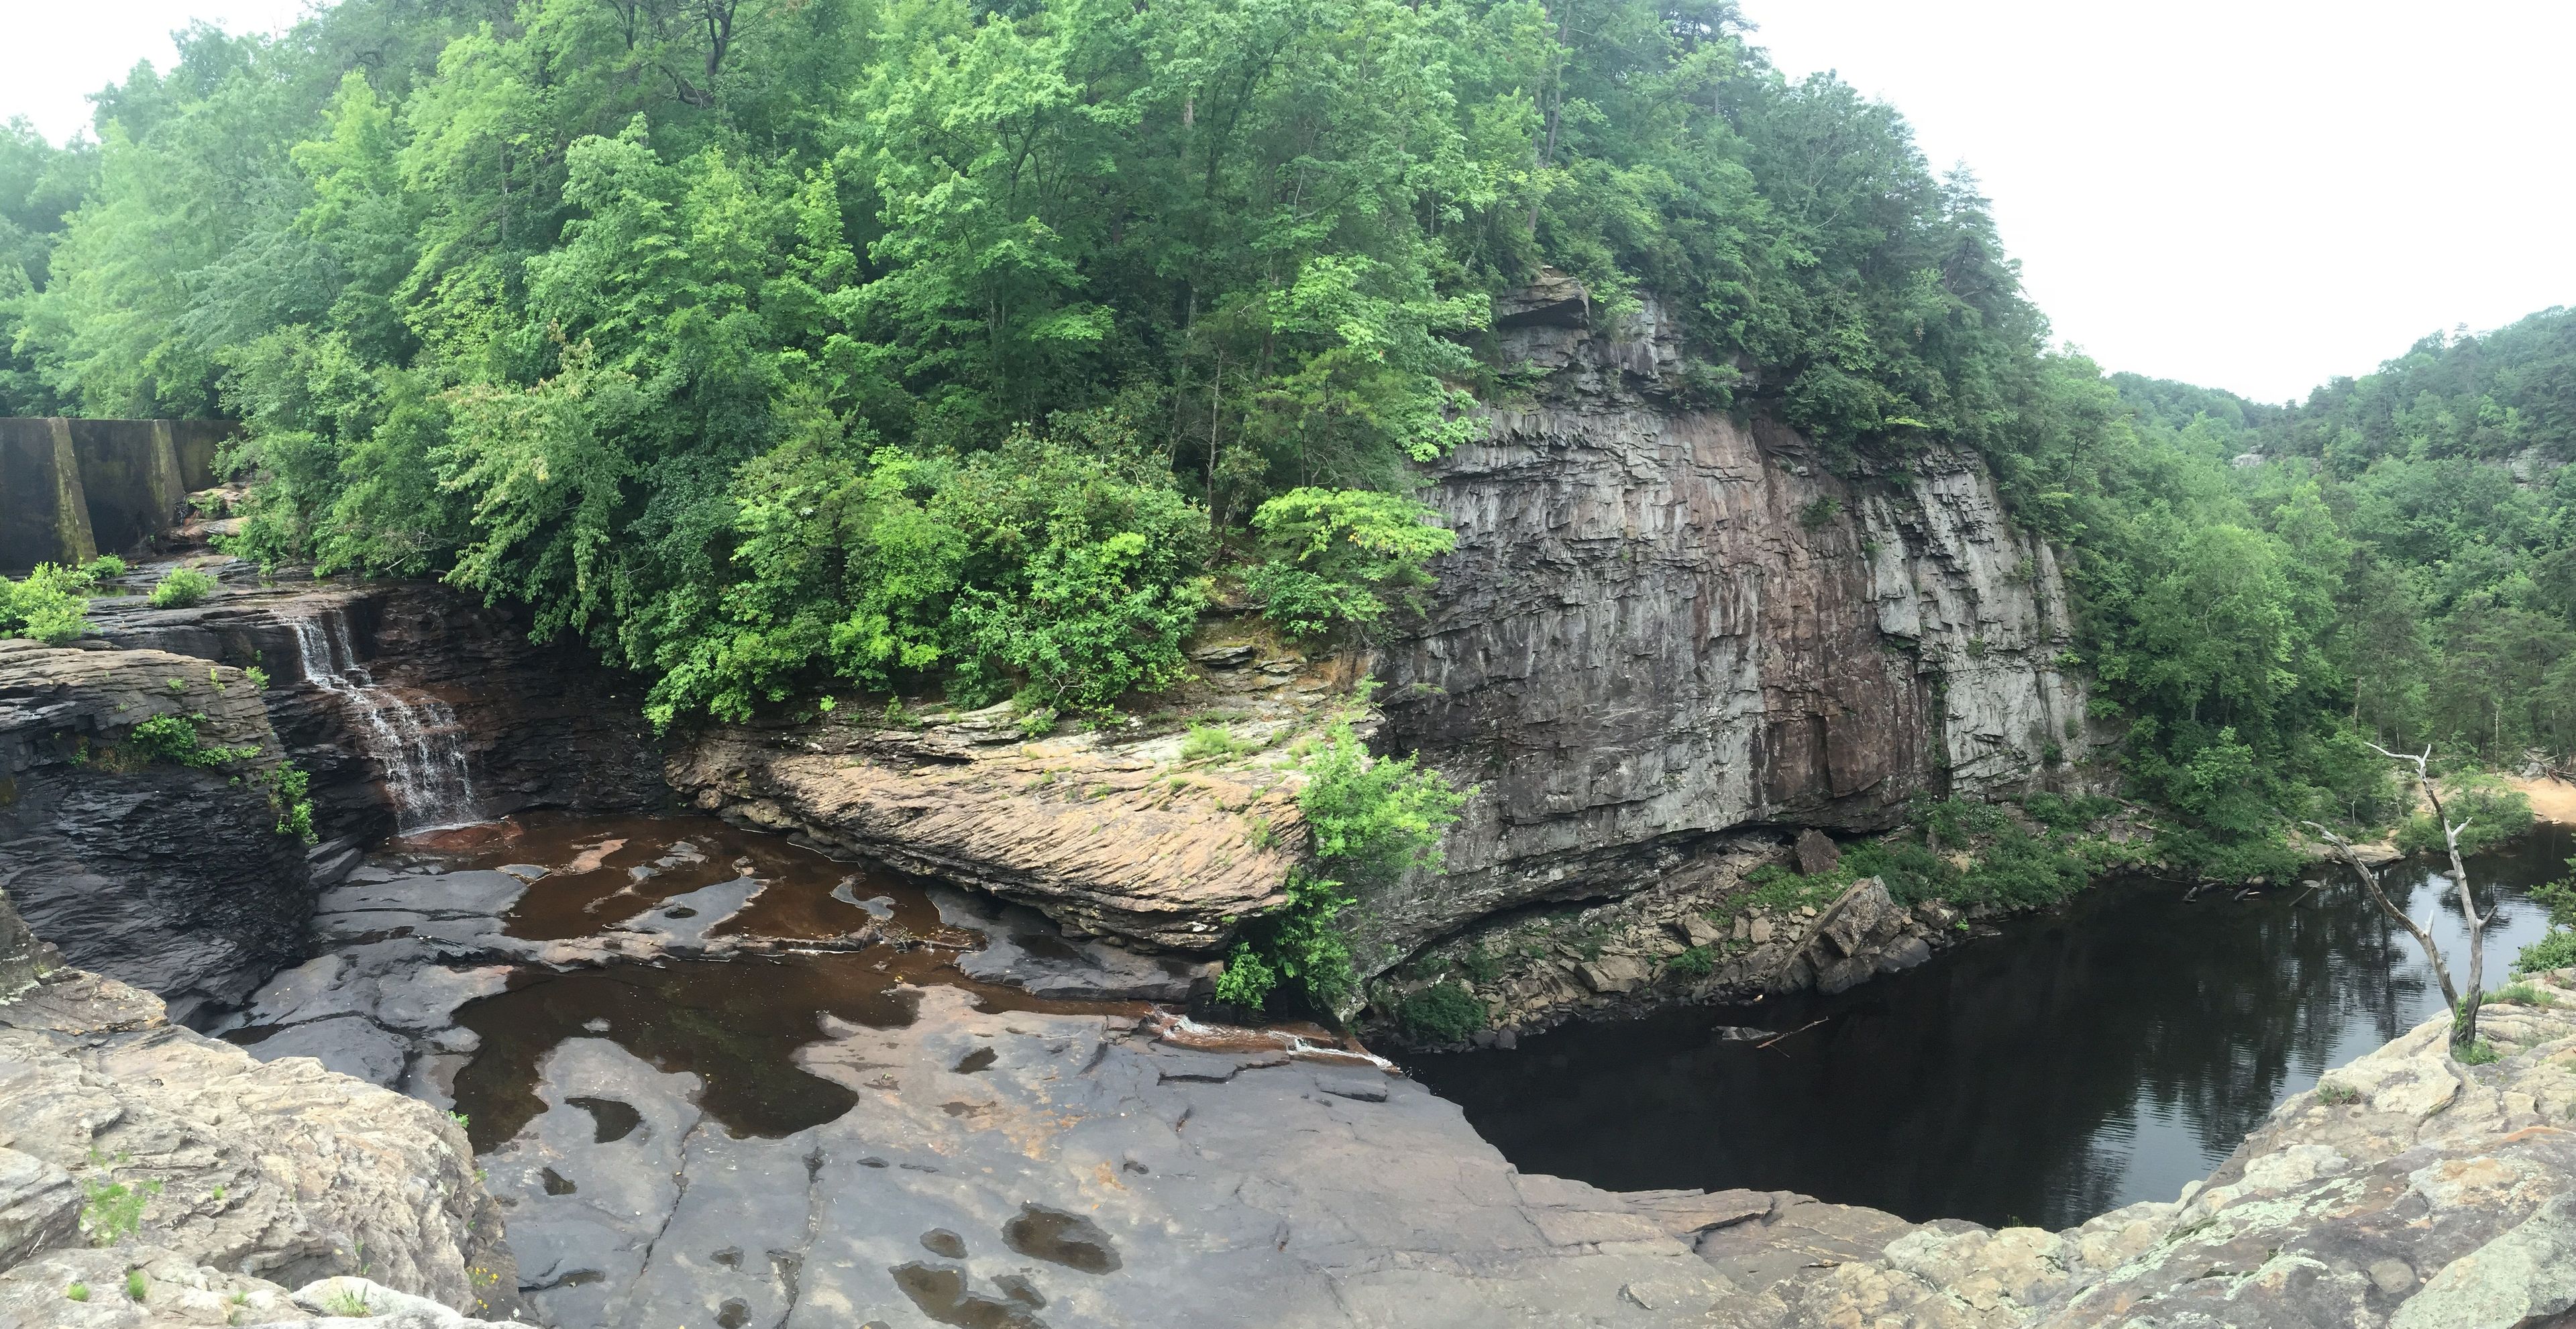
(2351,858)
(2464,1010)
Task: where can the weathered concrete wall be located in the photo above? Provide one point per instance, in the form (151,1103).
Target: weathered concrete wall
(70,488)
(43,515)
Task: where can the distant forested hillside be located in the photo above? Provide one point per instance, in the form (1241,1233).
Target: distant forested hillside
(777,347)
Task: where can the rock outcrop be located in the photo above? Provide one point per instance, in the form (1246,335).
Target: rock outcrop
(171,877)
(1663,622)
(1121,830)
(522,725)
(150,1175)
(2406,1190)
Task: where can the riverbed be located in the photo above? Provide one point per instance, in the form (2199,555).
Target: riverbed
(2111,1051)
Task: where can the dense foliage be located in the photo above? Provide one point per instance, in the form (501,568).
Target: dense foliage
(760,343)
(905,344)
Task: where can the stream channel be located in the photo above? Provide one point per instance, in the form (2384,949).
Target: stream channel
(2107,1052)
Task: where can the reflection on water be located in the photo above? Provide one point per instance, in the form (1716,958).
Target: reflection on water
(735,1023)
(2103,1055)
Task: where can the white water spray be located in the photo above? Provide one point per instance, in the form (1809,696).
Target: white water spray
(416,740)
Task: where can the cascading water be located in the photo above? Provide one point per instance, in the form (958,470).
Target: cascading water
(416,740)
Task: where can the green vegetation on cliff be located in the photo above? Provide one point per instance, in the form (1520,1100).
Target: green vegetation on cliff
(901,343)
(906,342)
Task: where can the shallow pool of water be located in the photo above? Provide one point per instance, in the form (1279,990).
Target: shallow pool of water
(2106,1053)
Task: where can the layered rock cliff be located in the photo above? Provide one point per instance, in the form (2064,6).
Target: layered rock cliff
(1663,622)
(172,877)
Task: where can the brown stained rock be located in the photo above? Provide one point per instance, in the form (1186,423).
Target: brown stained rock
(1097,841)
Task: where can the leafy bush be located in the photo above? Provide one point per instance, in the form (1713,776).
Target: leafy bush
(174,738)
(1373,819)
(48,606)
(2494,812)
(290,797)
(1441,1013)
(182,588)
(2556,948)
(1343,558)
(105,567)
(1066,577)
(1294,950)
(1696,962)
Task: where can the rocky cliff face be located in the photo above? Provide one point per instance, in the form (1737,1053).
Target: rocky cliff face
(1662,622)
(171,877)
(369,680)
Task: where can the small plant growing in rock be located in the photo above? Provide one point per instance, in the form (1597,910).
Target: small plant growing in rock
(2478,1053)
(1693,963)
(76,1292)
(182,588)
(1209,740)
(135,1286)
(348,1302)
(114,1209)
(1814,513)
(2523,994)
(2337,1095)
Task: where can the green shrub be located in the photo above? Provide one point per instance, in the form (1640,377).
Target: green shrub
(1295,950)
(1210,740)
(48,606)
(135,1286)
(1343,558)
(1374,818)
(2337,1095)
(182,588)
(1696,962)
(2494,812)
(174,738)
(2479,1053)
(290,797)
(1248,979)
(1441,1013)
(105,567)
(2556,948)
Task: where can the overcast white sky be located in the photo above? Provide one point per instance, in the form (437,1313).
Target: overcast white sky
(2251,194)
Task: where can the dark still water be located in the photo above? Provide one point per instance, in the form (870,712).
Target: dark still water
(2102,1055)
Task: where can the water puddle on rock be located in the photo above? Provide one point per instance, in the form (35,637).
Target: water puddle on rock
(2104,1054)
(735,1021)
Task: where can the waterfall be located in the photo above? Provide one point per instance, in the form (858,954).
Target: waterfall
(416,740)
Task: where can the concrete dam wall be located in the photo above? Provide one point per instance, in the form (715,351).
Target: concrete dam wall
(71,489)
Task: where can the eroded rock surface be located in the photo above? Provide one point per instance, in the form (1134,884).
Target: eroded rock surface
(1111,831)
(171,877)
(1065,1170)
(1661,623)
(134,1149)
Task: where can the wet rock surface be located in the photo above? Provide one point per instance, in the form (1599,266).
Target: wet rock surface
(170,877)
(535,726)
(1065,1170)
